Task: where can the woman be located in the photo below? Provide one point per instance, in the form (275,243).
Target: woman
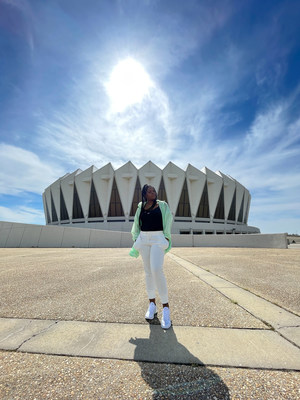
(151,232)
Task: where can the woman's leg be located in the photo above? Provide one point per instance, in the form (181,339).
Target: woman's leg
(150,283)
(156,264)
(156,261)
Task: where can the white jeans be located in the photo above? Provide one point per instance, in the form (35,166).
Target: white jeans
(152,246)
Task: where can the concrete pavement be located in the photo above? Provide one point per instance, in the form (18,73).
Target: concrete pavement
(91,303)
(184,345)
(284,322)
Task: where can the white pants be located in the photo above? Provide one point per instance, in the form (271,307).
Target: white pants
(152,246)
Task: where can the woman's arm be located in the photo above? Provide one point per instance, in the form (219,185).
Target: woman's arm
(167,222)
(168,219)
(135,230)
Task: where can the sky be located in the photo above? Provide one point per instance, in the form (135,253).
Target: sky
(211,83)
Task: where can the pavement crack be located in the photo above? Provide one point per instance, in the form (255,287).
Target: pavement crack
(289,326)
(35,334)
(15,332)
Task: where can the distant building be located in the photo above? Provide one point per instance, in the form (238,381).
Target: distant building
(201,201)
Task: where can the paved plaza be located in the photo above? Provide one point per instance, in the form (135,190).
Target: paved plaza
(72,325)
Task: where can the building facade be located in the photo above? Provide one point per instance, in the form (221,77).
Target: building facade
(201,201)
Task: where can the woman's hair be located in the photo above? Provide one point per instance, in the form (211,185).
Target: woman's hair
(144,200)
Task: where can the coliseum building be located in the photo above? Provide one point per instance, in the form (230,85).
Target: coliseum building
(201,201)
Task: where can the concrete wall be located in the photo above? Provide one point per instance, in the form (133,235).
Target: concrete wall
(276,241)
(25,235)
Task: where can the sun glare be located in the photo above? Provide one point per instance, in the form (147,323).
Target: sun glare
(128,84)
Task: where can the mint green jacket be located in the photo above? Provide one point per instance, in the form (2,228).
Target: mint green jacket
(167,220)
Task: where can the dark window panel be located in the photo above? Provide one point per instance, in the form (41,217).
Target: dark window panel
(184,209)
(246,211)
(63,209)
(115,205)
(219,213)
(231,215)
(137,197)
(203,209)
(240,217)
(47,212)
(77,209)
(162,194)
(54,214)
(94,207)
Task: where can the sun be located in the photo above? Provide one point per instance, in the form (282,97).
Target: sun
(128,84)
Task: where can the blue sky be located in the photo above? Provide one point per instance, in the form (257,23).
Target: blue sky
(211,83)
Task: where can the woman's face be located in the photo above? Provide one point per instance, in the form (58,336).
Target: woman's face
(151,194)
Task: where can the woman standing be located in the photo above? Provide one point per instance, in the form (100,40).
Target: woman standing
(151,232)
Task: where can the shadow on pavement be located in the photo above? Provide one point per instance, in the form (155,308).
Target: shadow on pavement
(181,375)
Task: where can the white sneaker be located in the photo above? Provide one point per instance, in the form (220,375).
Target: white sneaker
(165,321)
(151,312)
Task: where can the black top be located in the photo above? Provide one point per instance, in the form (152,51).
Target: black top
(152,220)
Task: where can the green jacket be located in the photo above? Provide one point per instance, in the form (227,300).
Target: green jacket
(167,220)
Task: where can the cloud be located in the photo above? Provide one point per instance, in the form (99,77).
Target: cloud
(272,146)
(264,156)
(81,132)
(268,148)
(85,132)
(22,214)
(276,225)
(180,30)
(22,170)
